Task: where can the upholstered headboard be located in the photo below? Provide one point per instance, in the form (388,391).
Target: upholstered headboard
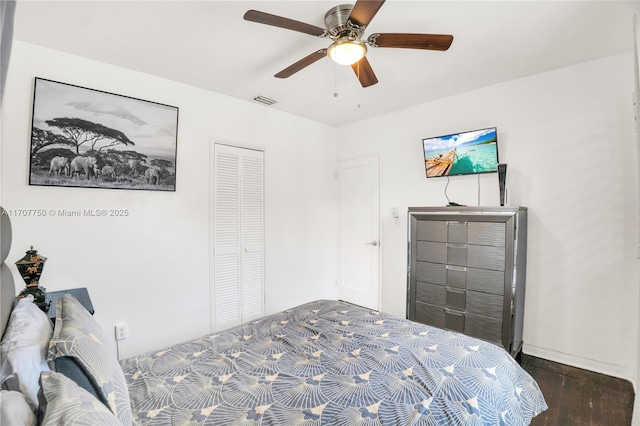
(7,286)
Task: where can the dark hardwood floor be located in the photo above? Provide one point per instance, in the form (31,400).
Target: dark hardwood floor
(579,397)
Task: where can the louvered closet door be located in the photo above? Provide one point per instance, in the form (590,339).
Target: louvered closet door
(238,294)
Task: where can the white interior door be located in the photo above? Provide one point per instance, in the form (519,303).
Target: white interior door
(238,236)
(359,247)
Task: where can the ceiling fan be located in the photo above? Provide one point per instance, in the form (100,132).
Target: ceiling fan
(345,25)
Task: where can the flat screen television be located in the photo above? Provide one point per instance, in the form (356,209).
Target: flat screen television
(465,153)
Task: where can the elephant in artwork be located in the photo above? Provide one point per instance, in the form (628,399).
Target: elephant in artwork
(108,172)
(87,165)
(59,165)
(152,175)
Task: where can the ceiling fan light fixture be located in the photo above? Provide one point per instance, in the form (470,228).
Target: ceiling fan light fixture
(347,52)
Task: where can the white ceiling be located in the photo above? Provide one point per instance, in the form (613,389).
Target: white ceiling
(208,44)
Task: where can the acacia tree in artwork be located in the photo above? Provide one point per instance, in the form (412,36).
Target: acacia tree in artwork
(123,157)
(81,132)
(163,164)
(43,138)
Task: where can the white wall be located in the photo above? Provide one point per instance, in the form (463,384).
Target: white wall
(151,269)
(568,139)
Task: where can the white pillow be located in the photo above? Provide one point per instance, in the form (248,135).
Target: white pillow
(24,347)
(14,409)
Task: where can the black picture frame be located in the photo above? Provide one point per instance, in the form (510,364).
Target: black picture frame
(82,137)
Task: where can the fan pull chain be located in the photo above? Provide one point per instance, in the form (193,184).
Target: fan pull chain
(335,81)
(358,73)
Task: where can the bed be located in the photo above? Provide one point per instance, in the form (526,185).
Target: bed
(331,362)
(322,363)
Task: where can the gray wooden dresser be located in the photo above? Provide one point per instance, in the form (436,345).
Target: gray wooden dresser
(466,271)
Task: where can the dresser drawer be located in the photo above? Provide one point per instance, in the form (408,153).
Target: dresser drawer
(483,327)
(457,254)
(431,293)
(456,298)
(482,233)
(457,232)
(432,230)
(486,233)
(430,314)
(485,280)
(433,273)
(456,276)
(454,320)
(429,251)
(486,257)
(490,305)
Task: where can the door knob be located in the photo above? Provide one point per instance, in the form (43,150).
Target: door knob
(373,243)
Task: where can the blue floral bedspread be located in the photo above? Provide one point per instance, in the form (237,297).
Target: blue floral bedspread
(331,363)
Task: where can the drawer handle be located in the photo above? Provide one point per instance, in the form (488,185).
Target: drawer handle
(456,290)
(452,312)
(459,246)
(456,268)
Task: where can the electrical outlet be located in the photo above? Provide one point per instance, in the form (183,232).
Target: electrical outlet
(122,331)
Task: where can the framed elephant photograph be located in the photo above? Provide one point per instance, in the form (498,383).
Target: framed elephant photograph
(88,138)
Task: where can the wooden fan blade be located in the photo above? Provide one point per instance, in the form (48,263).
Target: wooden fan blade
(302,63)
(286,23)
(412,41)
(364,72)
(364,11)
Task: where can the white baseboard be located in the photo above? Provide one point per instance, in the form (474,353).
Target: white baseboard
(396,313)
(606,368)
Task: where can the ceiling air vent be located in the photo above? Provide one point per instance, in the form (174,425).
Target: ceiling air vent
(264,100)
